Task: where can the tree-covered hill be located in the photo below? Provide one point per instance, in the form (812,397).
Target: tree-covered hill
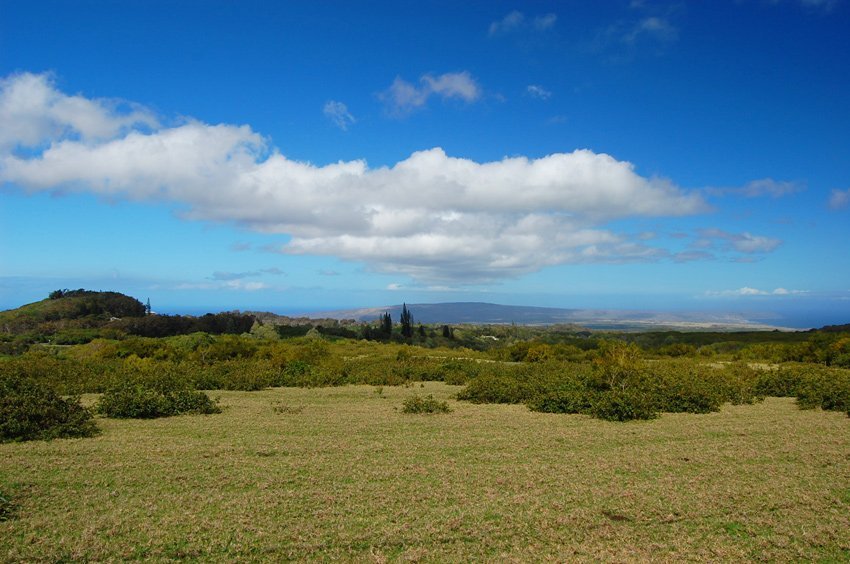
(70,308)
(69,317)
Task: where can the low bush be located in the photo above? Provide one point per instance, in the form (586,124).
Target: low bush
(570,397)
(618,386)
(147,396)
(31,410)
(688,387)
(623,405)
(240,374)
(736,382)
(8,508)
(428,404)
(497,387)
(456,372)
(826,388)
(296,373)
(781,382)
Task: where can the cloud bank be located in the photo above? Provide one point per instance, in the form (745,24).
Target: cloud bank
(431,216)
(747,291)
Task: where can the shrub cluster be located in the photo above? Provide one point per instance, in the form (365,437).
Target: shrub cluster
(31,410)
(102,365)
(814,386)
(149,395)
(607,379)
(428,404)
(617,386)
(824,388)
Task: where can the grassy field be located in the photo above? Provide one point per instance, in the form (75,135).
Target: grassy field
(341,473)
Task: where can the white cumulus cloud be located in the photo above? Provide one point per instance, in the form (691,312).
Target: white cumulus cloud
(33,112)
(431,216)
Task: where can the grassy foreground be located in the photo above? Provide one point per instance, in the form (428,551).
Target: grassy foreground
(341,473)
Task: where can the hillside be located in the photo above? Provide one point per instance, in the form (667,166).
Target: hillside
(70,308)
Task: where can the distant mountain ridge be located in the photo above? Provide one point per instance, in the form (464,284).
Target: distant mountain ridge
(484,313)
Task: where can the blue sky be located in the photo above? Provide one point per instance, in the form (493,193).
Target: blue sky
(306,156)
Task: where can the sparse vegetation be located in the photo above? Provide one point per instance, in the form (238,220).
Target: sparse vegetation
(352,478)
(427,404)
(343,467)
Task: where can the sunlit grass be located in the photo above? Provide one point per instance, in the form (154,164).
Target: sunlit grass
(342,473)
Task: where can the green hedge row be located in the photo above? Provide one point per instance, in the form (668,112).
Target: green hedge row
(636,389)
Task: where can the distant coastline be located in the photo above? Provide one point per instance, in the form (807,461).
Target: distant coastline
(595,319)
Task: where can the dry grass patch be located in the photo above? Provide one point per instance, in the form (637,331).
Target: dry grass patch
(341,473)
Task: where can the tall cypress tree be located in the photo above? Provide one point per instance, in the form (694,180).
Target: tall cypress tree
(386,324)
(406,321)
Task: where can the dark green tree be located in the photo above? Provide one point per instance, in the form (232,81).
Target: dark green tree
(406,322)
(386,324)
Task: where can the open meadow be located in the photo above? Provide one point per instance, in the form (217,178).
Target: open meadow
(448,282)
(342,473)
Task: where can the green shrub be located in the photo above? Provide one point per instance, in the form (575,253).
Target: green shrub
(8,508)
(623,405)
(428,404)
(568,398)
(456,372)
(240,374)
(737,383)
(678,349)
(689,396)
(618,386)
(783,382)
(66,376)
(825,388)
(682,387)
(495,388)
(147,396)
(31,410)
(296,373)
